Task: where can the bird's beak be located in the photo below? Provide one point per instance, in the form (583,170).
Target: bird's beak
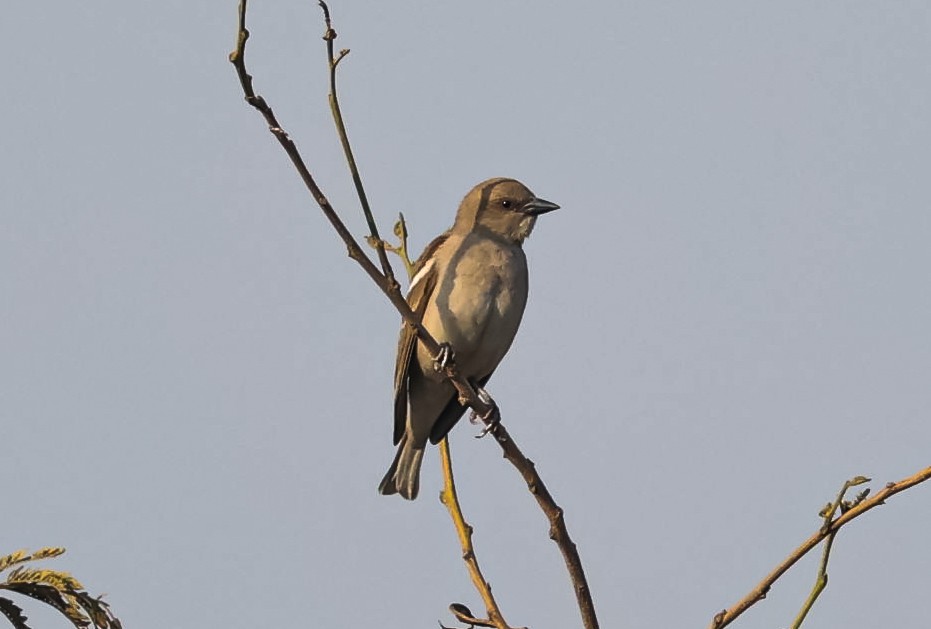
(535,207)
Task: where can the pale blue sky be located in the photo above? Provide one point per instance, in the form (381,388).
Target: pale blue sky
(728,317)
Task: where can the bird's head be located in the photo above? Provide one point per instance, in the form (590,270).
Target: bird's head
(505,207)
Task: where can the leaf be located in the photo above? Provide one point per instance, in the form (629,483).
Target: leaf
(56,578)
(14,558)
(858,480)
(23,556)
(48,551)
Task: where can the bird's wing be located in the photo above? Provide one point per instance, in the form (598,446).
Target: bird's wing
(418,296)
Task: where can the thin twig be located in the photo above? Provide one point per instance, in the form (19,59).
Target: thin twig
(329,37)
(758,593)
(400,230)
(821,582)
(464,531)
(400,250)
(466,392)
(389,287)
(827,515)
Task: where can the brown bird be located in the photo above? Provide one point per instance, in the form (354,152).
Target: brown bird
(470,289)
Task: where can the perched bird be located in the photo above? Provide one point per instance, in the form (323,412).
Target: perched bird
(469,289)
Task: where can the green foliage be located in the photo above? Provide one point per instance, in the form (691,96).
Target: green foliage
(53,587)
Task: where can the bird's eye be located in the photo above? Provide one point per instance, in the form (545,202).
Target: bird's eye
(506,203)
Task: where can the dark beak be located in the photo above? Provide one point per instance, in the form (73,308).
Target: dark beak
(535,207)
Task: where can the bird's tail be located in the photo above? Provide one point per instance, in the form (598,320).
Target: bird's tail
(403,476)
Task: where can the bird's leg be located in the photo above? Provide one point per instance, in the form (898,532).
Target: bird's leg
(443,358)
(491,418)
(484,396)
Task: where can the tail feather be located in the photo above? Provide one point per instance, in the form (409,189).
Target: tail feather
(403,476)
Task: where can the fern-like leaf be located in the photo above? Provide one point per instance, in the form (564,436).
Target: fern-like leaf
(56,578)
(14,558)
(49,595)
(47,552)
(53,587)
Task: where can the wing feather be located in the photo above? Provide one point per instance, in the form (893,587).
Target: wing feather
(418,296)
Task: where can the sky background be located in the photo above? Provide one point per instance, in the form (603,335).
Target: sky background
(728,317)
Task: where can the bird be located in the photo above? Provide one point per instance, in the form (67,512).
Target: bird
(469,288)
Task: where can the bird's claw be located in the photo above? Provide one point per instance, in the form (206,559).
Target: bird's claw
(443,358)
(491,418)
(484,396)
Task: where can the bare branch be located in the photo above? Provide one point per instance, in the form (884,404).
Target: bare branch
(827,514)
(449,498)
(389,286)
(329,37)
(556,517)
(758,593)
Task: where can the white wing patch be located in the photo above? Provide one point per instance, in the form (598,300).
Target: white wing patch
(422,273)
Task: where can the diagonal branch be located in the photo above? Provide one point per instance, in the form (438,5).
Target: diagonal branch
(558,531)
(389,286)
(758,593)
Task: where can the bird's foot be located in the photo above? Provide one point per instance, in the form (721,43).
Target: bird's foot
(491,418)
(443,358)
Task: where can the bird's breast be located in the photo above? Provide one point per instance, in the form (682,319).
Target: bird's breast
(479,302)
